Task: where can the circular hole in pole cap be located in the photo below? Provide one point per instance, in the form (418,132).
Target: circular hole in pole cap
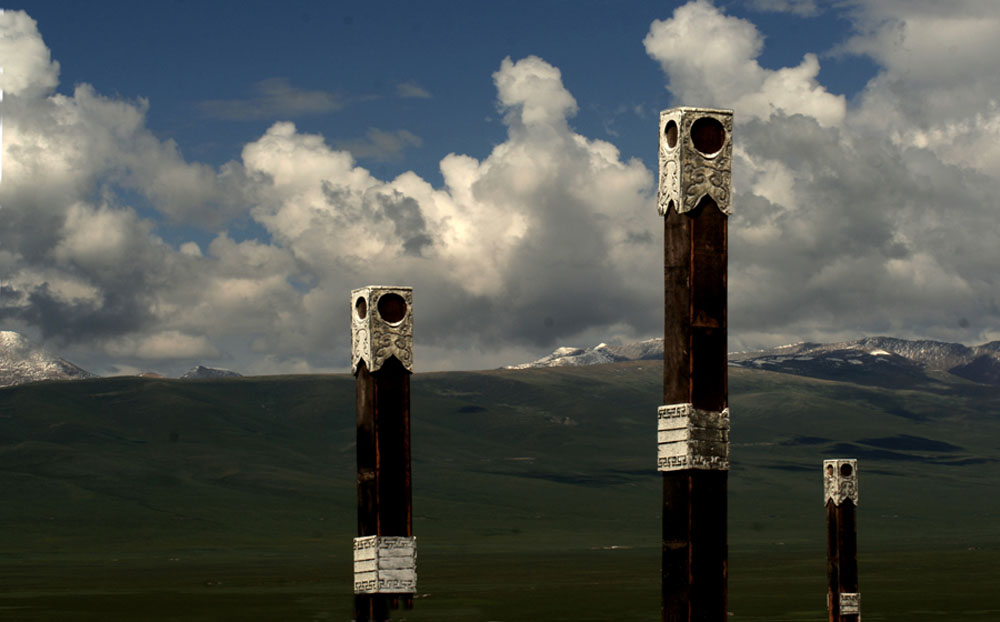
(392,308)
(361,307)
(708,135)
(670,133)
(846,470)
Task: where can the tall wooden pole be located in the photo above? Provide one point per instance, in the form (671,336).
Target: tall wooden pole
(840,492)
(693,426)
(382,360)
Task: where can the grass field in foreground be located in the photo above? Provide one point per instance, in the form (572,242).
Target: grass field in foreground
(535,497)
(579,586)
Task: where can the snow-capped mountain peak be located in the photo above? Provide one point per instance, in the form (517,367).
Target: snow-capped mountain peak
(22,361)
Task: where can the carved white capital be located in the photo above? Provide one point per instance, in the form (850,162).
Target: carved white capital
(850,603)
(385,565)
(696,158)
(692,438)
(381,326)
(840,480)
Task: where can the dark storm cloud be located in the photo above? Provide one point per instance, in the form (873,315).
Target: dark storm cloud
(71,321)
(405,215)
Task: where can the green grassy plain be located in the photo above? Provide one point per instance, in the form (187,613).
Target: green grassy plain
(535,496)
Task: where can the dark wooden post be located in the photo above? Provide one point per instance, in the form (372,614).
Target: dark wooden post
(382,360)
(840,491)
(693,428)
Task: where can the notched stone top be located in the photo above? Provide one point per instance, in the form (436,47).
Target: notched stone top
(381,326)
(696,149)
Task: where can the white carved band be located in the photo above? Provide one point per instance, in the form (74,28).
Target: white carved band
(689,174)
(850,603)
(692,438)
(840,481)
(385,565)
(374,338)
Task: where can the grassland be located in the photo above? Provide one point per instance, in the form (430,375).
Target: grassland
(535,496)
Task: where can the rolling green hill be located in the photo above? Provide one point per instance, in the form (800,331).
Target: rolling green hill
(528,485)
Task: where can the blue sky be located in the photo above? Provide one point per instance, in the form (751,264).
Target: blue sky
(182,55)
(218,176)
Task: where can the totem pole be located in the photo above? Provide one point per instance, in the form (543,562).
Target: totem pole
(385,551)
(693,432)
(840,492)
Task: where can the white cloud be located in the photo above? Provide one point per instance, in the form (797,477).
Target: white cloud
(871,219)
(543,198)
(28,70)
(412,90)
(841,226)
(711,60)
(101,239)
(59,149)
(532,94)
(539,241)
(939,87)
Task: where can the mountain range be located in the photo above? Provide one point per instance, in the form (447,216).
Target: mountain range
(871,360)
(22,361)
(884,361)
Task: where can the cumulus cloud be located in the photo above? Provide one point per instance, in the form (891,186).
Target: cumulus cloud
(532,95)
(81,266)
(28,69)
(545,198)
(854,220)
(272,98)
(939,87)
(544,239)
(847,221)
(711,58)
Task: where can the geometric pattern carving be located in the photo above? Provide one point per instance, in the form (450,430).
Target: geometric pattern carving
(850,603)
(692,438)
(381,326)
(696,158)
(840,481)
(385,565)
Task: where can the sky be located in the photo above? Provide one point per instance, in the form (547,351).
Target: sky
(191,183)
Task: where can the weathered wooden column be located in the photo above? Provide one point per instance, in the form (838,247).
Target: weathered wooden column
(382,360)
(840,491)
(693,430)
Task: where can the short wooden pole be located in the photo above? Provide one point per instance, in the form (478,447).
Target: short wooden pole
(382,359)
(840,489)
(693,426)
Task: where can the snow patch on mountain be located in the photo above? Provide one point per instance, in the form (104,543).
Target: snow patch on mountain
(567,356)
(201,371)
(877,355)
(22,361)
